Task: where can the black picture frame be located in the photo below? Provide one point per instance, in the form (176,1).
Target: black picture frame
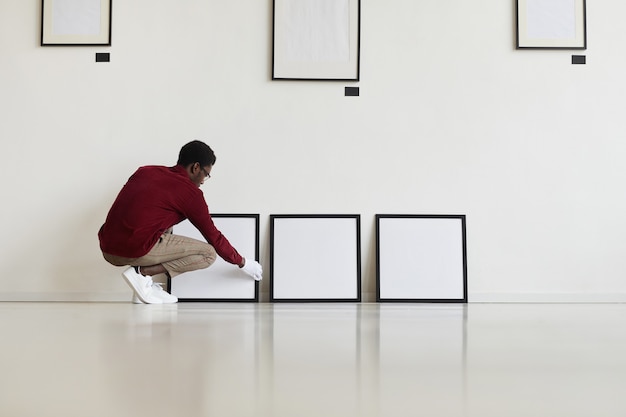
(314,46)
(551,25)
(315,258)
(221,282)
(76,24)
(421,258)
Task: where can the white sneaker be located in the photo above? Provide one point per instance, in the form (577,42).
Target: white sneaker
(142,286)
(158,291)
(165,296)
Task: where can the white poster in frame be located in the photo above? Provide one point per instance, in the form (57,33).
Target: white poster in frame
(551,24)
(421,258)
(76,22)
(316,40)
(315,258)
(222,281)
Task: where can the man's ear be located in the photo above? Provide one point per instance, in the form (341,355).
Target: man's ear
(189,169)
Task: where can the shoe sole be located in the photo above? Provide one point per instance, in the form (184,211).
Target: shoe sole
(136,300)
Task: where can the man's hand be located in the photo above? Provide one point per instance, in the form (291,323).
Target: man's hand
(253,268)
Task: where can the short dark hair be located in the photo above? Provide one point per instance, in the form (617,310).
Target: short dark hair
(196,151)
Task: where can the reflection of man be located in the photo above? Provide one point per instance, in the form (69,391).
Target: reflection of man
(137,229)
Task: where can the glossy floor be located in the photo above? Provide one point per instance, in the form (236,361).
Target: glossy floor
(109,359)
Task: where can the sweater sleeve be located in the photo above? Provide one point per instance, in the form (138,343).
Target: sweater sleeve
(200,217)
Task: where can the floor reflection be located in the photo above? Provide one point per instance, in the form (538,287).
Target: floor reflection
(212,359)
(422,358)
(316,356)
(367,359)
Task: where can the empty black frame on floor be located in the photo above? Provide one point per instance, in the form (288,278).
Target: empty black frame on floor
(315,258)
(421,258)
(316,40)
(221,281)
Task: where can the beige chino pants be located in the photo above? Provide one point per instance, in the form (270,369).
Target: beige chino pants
(177,254)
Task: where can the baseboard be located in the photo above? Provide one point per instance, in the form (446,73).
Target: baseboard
(65,297)
(547,297)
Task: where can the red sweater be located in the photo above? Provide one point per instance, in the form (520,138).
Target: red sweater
(154,199)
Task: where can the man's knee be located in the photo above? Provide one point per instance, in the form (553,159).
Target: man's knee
(210,255)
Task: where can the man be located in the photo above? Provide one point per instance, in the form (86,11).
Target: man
(137,230)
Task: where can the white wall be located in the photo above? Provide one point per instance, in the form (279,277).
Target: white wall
(451,119)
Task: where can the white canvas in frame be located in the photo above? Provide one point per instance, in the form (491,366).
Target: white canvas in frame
(421,258)
(221,281)
(316,39)
(315,258)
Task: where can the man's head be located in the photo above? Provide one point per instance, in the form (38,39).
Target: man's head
(198,159)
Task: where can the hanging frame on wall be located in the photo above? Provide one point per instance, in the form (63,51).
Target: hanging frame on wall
(421,258)
(316,40)
(557,24)
(76,23)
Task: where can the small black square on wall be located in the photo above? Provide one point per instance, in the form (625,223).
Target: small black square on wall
(103,57)
(352,91)
(579,59)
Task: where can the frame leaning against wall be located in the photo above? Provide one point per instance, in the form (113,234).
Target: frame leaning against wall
(222,281)
(558,24)
(76,23)
(421,258)
(316,40)
(315,258)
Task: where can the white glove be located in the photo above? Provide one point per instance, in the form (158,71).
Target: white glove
(252,268)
